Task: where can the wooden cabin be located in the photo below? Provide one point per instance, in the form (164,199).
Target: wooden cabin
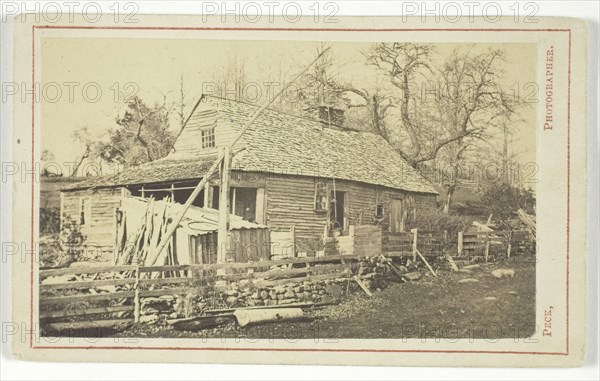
(305,178)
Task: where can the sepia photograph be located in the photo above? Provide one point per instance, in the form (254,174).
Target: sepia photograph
(376,191)
(347,190)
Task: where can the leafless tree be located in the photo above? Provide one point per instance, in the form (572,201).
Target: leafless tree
(82,136)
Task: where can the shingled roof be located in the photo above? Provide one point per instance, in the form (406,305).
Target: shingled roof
(281,143)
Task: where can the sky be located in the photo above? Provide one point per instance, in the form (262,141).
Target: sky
(92,74)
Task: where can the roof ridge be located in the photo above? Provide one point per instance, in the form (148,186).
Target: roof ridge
(305,117)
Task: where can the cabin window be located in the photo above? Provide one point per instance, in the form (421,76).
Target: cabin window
(320,197)
(379,211)
(208,137)
(85,211)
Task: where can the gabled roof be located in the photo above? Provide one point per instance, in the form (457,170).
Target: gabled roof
(281,143)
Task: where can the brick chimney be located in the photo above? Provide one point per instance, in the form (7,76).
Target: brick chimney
(328,115)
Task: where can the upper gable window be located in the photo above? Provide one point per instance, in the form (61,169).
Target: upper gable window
(208,137)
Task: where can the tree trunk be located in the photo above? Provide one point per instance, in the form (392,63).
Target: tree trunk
(448,200)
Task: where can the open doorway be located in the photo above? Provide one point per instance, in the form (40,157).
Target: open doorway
(337,212)
(242,202)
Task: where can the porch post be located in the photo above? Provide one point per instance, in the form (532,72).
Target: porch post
(224,207)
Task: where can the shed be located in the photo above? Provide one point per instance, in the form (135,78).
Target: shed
(195,240)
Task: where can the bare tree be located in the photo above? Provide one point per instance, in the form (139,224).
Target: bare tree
(181,104)
(142,134)
(82,136)
(468,97)
(321,86)
(468,102)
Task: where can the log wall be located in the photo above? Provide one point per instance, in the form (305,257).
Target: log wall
(290,201)
(100,230)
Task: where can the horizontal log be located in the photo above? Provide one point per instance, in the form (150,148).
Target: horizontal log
(90,327)
(87,284)
(278,282)
(174,280)
(470,234)
(491,240)
(86,311)
(397,253)
(170,291)
(85,298)
(263,274)
(86,270)
(246,265)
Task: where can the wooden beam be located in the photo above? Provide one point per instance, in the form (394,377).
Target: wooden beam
(426,263)
(362,285)
(392,266)
(207,194)
(85,311)
(260,205)
(233,197)
(414,243)
(224,207)
(452,263)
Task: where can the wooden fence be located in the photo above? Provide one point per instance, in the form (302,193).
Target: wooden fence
(496,243)
(121,288)
(371,240)
(108,290)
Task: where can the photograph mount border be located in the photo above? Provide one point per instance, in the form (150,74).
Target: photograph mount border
(341,350)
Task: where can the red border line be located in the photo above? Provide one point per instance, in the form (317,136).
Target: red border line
(166,28)
(303,350)
(34,27)
(568,183)
(32,180)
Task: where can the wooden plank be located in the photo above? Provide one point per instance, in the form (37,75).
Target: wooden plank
(86,298)
(86,311)
(452,263)
(88,326)
(392,266)
(362,285)
(85,270)
(167,280)
(87,284)
(261,202)
(304,270)
(287,305)
(224,206)
(414,243)
(301,279)
(486,233)
(169,291)
(398,253)
(426,263)
(331,258)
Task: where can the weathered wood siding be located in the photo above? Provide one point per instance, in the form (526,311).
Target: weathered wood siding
(290,201)
(100,230)
(205,117)
(245,245)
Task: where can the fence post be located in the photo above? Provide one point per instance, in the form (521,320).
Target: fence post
(459,246)
(510,233)
(136,298)
(487,246)
(414,243)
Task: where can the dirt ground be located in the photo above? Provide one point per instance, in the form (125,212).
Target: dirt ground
(430,308)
